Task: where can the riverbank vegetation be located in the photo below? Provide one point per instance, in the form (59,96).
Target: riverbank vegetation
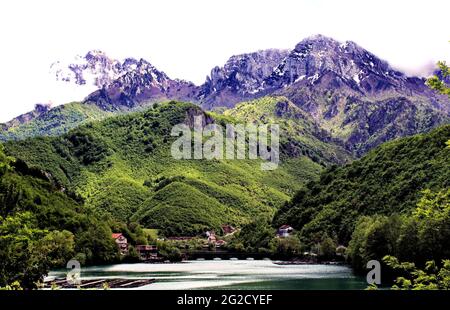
(41,227)
(418,236)
(433,276)
(393,201)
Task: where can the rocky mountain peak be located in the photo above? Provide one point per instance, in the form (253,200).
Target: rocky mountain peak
(140,83)
(347,91)
(316,56)
(241,77)
(97,69)
(323,64)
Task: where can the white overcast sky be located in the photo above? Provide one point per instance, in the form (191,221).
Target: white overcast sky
(186,38)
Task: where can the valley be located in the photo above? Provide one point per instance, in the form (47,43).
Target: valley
(364,164)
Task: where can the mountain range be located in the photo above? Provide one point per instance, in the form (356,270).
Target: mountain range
(364,152)
(348,92)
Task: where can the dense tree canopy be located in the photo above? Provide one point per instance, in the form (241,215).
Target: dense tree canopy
(387,180)
(41,227)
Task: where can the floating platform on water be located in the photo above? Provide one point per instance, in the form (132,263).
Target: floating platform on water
(102,283)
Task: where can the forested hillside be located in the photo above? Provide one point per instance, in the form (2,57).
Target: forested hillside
(43,227)
(123,169)
(387,180)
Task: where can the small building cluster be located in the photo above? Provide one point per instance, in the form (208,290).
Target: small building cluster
(121,242)
(228,229)
(145,252)
(213,240)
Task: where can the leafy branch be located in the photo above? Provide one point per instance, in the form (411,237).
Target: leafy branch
(437,83)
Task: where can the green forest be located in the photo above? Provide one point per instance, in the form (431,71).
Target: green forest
(61,197)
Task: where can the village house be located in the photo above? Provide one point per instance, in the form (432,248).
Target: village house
(228,229)
(147,252)
(121,242)
(211,235)
(220,243)
(284,231)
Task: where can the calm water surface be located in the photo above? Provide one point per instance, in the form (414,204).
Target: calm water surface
(228,274)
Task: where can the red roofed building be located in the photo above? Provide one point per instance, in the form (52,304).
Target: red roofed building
(121,242)
(220,243)
(147,252)
(228,229)
(211,237)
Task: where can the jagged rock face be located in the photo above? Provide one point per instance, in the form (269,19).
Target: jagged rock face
(375,123)
(95,68)
(317,67)
(240,78)
(316,61)
(140,83)
(354,95)
(345,65)
(363,121)
(350,93)
(140,86)
(193,116)
(318,55)
(122,84)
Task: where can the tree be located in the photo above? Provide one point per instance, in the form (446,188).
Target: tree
(327,248)
(432,277)
(27,253)
(421,236)
(254,236)
(285,247)
(132,255)
(57,246)
(5,161)
(97,245)
(373,238)
(169,251)
(432,217)
(437,82)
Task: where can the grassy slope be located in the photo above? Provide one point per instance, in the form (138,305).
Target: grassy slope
(299,134)
(386,180)
(108,162)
